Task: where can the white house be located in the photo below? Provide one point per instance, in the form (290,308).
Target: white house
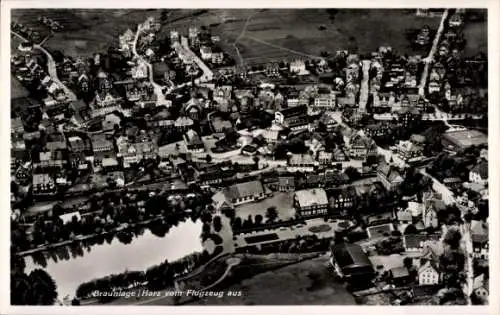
(480,288)
(479,174)
(428,274)
(301,163)
(298,67)
(434,87)
(240,193)
(429,216)
(325,101)
(206,52)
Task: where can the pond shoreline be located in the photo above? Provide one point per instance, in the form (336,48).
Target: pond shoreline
(124,227)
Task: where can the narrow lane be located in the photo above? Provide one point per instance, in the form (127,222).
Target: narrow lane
(160,97)
(428,61)
(51,68)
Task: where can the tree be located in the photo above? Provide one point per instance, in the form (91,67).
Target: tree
(237,224)
(206,217)
(256,160)
(229,213)
(258,219)
(396,233)
(37,288)
(217,223)
(352,173)
(124,237)
(58,56)
(408,262)
(452,238)
(164,16)
(271,214)
(410,229)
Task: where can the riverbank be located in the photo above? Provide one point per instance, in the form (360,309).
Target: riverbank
(125,227)
(112,257)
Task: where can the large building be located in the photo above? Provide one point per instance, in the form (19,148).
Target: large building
(351,262)
(294,118)
(461,139)
(310,202)
(241,193)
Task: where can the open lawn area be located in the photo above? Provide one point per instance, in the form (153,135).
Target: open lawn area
(291,33)
(281,200)
(476,36)
(309,282)
(17,90)
(388,262)
(261,33)
(86,31)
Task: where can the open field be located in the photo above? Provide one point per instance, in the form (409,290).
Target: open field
(86,31)
(261,33)
(476,35)
(309,282)
(281,200)
(17,90)
(289,33)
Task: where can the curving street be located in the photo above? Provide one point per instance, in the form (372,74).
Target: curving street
(51,68)
(160,97)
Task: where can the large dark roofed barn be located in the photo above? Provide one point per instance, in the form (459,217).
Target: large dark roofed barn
(352,260)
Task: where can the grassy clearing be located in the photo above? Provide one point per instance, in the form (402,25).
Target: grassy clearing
(86,31)
(476,35)
(282,201)
(307,283)
(90,31)
(17,90)
(298,30)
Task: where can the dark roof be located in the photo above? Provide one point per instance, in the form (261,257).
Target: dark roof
(414,240)
(243,190)
(287,180)
(479,238)
(379,230)
(424,290)
(482,169)
(344,192)
(294,111)
(399,272)
(350,255)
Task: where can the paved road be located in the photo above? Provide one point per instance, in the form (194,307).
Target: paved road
(185,52)
(365,85)
(52,68)
(430,57)
(160,97)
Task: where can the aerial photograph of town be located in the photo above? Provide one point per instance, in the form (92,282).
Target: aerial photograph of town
(168,157)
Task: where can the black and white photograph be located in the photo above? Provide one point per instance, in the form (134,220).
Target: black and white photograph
(248,157)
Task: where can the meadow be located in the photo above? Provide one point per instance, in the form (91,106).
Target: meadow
(260,34)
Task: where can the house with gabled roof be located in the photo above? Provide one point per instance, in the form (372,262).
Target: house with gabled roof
(390,176)
(310,202)
(301,163)
(241,193)
(428,274)
(479,236)
(360,147)
(479,173)
(193,141)
(481,289)
(416,242)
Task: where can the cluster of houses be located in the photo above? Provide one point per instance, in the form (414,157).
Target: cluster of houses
(122,127)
